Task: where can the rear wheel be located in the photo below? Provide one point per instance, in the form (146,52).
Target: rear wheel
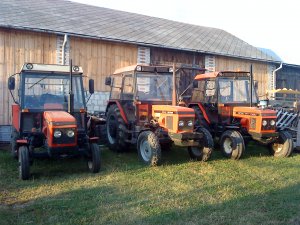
(24,167)
(13,143)
(115,126)
(284,145)
(204,150)
(94,163)
(232,144)
(149,149)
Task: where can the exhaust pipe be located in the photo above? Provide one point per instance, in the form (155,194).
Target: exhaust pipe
(251,85)
(174,99)
(71,94)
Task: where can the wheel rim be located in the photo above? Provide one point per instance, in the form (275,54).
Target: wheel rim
(90,164)
(227,145)
(196,151)
(277,147)
(145,150)
(112,129)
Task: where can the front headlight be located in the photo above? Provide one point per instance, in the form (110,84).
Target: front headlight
(180,123)
(70,133)
(264,123)
(190,123)
(272,122)
(57,133)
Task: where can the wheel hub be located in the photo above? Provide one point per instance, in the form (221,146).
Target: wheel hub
(146,150)
(227,145)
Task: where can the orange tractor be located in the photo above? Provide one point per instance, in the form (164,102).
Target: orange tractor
(49,117)
(226,104)
(140,112)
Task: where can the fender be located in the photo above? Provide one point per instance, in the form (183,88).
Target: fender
(111,102)
(202,110)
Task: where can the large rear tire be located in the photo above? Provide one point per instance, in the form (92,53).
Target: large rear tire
(149,149)
(204,151)
(232,144)
(94,162)
(13,143)
(115,126)
(283,147)
(24,164)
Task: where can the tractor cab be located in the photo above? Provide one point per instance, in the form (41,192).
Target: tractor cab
(49,114)
(145,86)
(46,88)
(220,92)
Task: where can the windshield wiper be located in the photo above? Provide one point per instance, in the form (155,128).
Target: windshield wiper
(38,81)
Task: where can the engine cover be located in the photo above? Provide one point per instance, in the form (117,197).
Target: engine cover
(175,119)
(64,124)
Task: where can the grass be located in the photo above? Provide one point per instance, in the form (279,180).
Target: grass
(257,189)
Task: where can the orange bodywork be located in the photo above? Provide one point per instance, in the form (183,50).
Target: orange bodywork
(58,120)
(16,116)
(169,116)
(252,117)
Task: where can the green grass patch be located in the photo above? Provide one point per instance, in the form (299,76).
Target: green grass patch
(258,189)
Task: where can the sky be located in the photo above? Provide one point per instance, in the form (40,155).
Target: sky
(271,24)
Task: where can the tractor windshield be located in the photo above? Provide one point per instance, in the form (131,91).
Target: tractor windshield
(235,90)
(50,91)
(154,87)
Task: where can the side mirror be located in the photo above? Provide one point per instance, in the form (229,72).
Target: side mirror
(91,86)
(108,81)
(11,83)
(195,84)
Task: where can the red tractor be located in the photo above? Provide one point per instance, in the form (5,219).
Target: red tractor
(49,117)
(226,104)
(140,112)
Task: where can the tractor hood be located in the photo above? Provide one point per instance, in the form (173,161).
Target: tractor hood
(59,118)
(175,119)
(169,109)
(253,111)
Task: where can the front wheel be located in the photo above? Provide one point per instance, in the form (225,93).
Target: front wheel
(24,163)
(232,144)
(149,149)
(94,162)
(283,147)
(204,150)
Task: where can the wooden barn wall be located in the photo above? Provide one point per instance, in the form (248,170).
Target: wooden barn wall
(17,47)
(169,56)
(288,77)
(161,56)
(260,70)
(100,58)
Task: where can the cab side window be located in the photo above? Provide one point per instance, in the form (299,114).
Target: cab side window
(128,88)
(116,87)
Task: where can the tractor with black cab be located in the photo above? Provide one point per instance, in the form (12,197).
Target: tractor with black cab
(141,111)
(49,117)
(226,104)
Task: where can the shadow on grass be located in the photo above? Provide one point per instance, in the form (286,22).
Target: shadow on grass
(111,204)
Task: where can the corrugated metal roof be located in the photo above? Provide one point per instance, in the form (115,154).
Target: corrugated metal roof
(61,16)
